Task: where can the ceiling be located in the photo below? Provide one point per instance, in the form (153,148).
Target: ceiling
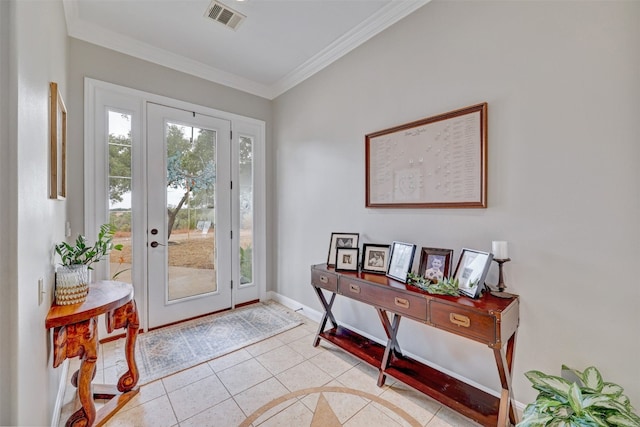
(279,44)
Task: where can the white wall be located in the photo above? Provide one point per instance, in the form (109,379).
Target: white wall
(37,28)
(563,86)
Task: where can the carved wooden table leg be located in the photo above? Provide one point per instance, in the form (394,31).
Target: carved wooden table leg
(80,340)
(127,317)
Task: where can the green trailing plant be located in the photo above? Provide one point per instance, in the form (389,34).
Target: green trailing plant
(82,254)
(586,400)
(444,286)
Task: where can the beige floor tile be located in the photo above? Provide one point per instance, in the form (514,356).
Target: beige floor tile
(293,334)
(280,359)
(224,414)
(295,415)
(155,413)
(344,406)
(371,416)
(255,397)
(416,404)
(229,360)
(147,393)
(272,411)
(303,375)
(445,417)
(186,377)
(331,362)
(362,378)
(198,396)
(243,376)
(305,347)
(264,346)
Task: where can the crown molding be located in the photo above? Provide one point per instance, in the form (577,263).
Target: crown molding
(378,22)
(374,25)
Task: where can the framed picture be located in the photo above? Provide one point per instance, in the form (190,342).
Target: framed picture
(375,258)
(58,143)
(471,271)
(436,162)
(347,259)
(435,263)
(343,240)
(400,260)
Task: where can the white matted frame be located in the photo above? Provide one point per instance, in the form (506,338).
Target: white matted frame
(471,271)
(401,260)
(344,240)
(347,259)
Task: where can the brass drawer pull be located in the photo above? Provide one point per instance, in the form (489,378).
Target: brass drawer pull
(401,302)
(460,320)
(354,288)
(324,279)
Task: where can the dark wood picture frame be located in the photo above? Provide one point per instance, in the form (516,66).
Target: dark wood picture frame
(442,268)
(58,144)
(347,258)
(472,269)
(345,240)
(400,260)
(436,162)
(375,258)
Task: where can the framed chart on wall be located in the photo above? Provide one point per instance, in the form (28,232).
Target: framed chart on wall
(437,162)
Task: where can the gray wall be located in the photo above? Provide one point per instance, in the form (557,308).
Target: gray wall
(563,86)
(7,257)
(27,212)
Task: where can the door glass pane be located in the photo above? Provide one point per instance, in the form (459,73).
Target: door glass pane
(246,210)
(119,130)
(191,182)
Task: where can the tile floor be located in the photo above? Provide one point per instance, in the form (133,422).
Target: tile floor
(233,390)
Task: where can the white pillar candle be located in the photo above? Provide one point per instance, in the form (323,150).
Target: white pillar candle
(499,249)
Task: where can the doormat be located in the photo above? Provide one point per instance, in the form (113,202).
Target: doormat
(171,349)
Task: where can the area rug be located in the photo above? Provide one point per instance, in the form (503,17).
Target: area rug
(168,350)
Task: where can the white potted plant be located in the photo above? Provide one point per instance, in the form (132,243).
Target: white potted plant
(72,276)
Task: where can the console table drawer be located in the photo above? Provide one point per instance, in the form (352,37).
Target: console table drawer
(385,298)
(471,324)
(324,280)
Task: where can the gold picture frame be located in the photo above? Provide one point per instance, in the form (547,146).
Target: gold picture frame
(58,143)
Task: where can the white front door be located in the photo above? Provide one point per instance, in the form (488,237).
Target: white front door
(189,246)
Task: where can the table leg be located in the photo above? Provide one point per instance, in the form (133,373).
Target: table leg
(82,341)
(328,315)
(126,317)
(391,329)
(504,362)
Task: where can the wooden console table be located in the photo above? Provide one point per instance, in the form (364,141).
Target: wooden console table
(75,334)
(490,320)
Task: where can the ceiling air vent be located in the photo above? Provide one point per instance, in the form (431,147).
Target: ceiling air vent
(224,15)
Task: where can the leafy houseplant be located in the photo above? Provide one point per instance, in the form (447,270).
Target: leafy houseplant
(80,253)
(72,276)
(586,401)
(444,286)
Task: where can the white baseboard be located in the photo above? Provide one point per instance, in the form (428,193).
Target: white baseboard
(62,389)
(316,316)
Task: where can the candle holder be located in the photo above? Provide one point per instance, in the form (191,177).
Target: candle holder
(500,293)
